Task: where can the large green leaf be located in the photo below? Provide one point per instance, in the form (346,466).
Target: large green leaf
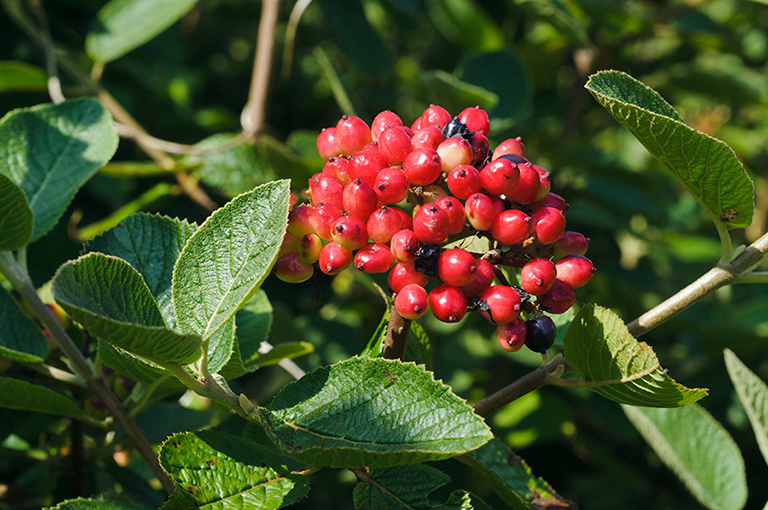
(20,76)
(111,300)
(254,322)
(225,261)
(707,167)
(20,338)
(465,23)
(51,150)
(217,470)
(95,504)
(512,479)
(408,488)
(16,220)
(123,25)
(698,449)
(130,365)
(17,394)
(753,393)
(615,365)
(371,412)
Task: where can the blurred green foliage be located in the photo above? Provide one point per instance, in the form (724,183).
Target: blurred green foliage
(526,61)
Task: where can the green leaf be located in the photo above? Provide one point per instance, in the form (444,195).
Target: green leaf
(254,322)
(512,479)
(698,449)
(225,261)
(16,220)
(557,13)
(95,504)
(279,352)
(753,393)
(408,488)
(618,367)
(442,88)
(376,343)
(419,346)
(17,394)
(21,77)
(110,299)
(51,150)
(20,338)
(707,167)
(130,365)
(371,412)
(217,470)
(466,24)
(123,25)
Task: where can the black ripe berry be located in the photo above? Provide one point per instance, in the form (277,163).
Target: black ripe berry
(426,259)
(540,333)
(457,128)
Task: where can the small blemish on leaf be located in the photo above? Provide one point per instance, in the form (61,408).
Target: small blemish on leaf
(210,462)
(176,446)
(393,380)
(729,215)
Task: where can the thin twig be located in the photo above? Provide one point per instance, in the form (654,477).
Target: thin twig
(54,84)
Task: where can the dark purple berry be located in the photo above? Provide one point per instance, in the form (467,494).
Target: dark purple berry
(540,333)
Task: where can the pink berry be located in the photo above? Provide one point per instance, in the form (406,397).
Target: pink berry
(359,199)
(456,267)
(352,134)
(476,119)
(349,232)
(435,116)
(405,273)
(300,221)
(422,166)
(366,165)
(291,269)
(480,211)
(309,249)
(326,143)
(512,335)
(374,258)
(544,182)
(499,177)
(455,211)
(448,303)
(549,200)
(510,146)
(571,243)
(558,299)
(427,138)
(431,224)
(483,279)
(511,227)
(382,121)
(391,185)
(323,218)
(538,276)
(334,258)
(548,224)
(339,168)
(503,304)
(453,152)
(463,181)
(394,144)
(411,301)
(325,188)
(404,245)
(406,221)
(382,224)
(528,186)
(575,270)
(290,244)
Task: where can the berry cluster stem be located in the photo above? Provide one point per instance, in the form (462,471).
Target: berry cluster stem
(397,335)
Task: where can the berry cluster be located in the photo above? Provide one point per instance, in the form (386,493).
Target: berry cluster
(443,171)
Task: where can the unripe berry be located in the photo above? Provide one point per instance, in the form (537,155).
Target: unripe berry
(334,259)
(510,146)
(558,299)
(511,335)
(291,269)
(544,182)
(571,243)
(382,121)
(499,177)
(511,227)
(326,143)
(540,334)
(300,221)
(411,301)
(456,267)
(476,119)
(480,211)
(394,145)
(503,304)
(352,134)
(455,211)
(323,218)
(325,188)
(404,245)
(403,274)
(427,138)
(432,194)
(431,224)
(483,279)
(382,224)
(528,186)
(575,270)
(422,166)
(366,165)
(448,303)
(463,181)
(549,200)
(359,199)
(374,258)
(391,185)
(435,116)
(309,249)
(339,168)
(538,276)
(290,244)
(350,233)
(548,224)
(453,152)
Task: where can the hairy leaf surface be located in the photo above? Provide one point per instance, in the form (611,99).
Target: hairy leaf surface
(18,394)
(20,338)
(753,393)
(16,220)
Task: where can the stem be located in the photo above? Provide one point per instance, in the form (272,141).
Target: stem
(54,84)
(542,376)
(725,241)
(718,276)
(82,367)
(754,277)
(397,335)
(56,373)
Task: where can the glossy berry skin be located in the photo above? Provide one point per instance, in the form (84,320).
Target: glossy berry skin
(350,233)
(476,119)
(339,168)
(480,211)
(503,304)
(382,121)
(528,186)
(510,146)
(538,276)
(540,334)
(448,303)
(571,243)
(548,224)
(374,258)
(511,227)
(544,182)
(456,267)
(326,143)
(290,244)
(300,221)
(411,301)
(431,224)
(325,188)
(453,152)
(428,138)
(435,115)
(366,165)
(422,166)
(499,177)
(549,200)
(433,193)
(352,134)
(394,144)
(512,335)
(391,185)
(480,149)
(575,270)
(334,259)
(309,248)
(463,181)
(359,199)
(455,211)
(291,269)
(405,219)
(323,218)
(404,245)
(382,224)
(484,277)
(558,299)
(403,274)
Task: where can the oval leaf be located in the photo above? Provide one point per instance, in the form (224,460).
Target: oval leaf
(51,150)
(20,76)
(225,261)
(217,470)
(16,220)
(123,25)
(94,504)
(753,393)
(17,394)
(707,167)
(111,300)
(372,412)
(20,338)
(698,449)
(615,365)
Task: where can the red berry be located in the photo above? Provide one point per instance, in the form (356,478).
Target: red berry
(548,224)
(483,279)
(448,303)
(422,166)
(325,188)
(528,186)
(499,177)
(391,185)
(456,267)
(456,216)
(359,199)
(511,335)
(382,224)
(538,276)
(503,304)
(300,221)
(352,134)
(326,143)
(290,268)
(431,224)
(435,116)
(463,181)
(571,243)
(480,149)
(394,144)
(366,165)
(453,152)
(428,138)
(558,299)
(476,119)
(510,146)
(480,211)
(323,218)
(334,258)
(544,182)
(406,221)
(405,274)
(549,200)
(350,233)
(374,258)
(511,227)
(339,168)
(382,121)
(309,249)
(404,245)
(411,301)
(575,270)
